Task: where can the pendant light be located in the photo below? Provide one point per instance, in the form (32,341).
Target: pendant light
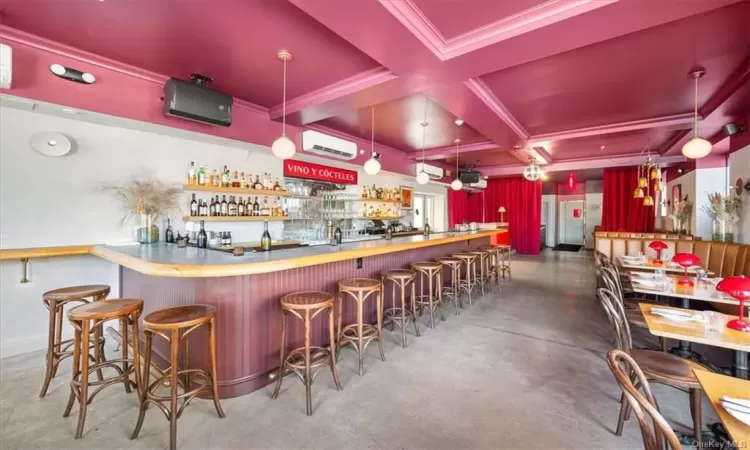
(372,165)
(697,147)
(422,176)
(532,172)
(283,147)
(456,184)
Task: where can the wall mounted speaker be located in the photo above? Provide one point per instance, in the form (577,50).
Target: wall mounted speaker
(731,129)
(66,73)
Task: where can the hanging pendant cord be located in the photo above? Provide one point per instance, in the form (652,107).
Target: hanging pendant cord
(695,116)
(457,144)
(372,143)
(283,104)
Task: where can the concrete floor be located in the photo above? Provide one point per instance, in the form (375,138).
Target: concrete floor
(523,368)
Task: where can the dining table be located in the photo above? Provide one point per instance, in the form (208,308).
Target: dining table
(716,386)
(667,266)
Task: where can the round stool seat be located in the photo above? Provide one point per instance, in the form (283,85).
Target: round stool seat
(478,252)
(307,300)
(359,284)
(465,256)
(492,249)
(425,265)
(76,292)
(399,274)
(106,309)
(179,317)
(449,261)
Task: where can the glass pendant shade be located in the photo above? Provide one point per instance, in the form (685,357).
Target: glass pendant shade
(648,201)
(638,193)
(696,147)
(456,185)
(656,173)
(423,178)
(283,148)
(532,172)
(642,183)
(372,166)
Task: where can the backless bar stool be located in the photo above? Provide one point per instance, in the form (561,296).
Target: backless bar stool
(504,263)
(174,325)
(305,306)
(451,291)
(57,349)
(401,315)
(482,274)
(468,261)
(85,319)
(432,274)
(360,334)
(494,263)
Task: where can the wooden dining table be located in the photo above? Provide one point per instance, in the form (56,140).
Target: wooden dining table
(716,386)
(695,331)
(650,266)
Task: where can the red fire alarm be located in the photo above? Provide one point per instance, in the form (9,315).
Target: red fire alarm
(577,213)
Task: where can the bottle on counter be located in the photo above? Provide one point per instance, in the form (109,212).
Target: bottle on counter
(338,235)
(202,239)
(228,238)
(265,239)
(224,208)
(389,232)
(426,227)
(191,173)
(256,207)
(169,234)
(193,207)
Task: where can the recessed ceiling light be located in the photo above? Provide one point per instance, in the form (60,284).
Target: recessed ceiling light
(459,122)
(88,77)
(57,69)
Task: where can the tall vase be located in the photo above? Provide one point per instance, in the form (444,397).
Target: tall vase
(679,226)
(722,230)
(148,232)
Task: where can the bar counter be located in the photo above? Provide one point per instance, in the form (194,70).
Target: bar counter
(246,291)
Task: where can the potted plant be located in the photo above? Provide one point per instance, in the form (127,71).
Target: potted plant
(724,211)
(145,199)
(681,210)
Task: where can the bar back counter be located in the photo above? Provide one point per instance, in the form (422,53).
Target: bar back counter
(246,291)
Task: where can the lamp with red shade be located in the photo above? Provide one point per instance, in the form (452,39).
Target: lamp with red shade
(739,288)
(659,247)
(686,260)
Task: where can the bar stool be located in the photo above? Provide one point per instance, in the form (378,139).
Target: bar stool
(481,274)
(468,260)
(305,306)
(57,349)
(401,316)
(494,263)
(432,273)
(504,260)
(452,291)
(360,334)
(174,325)
(86,318)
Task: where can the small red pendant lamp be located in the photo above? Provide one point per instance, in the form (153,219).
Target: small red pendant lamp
(739,288)
(659,247)
(686,260)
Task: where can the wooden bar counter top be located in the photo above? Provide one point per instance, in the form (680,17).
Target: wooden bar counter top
(246,290)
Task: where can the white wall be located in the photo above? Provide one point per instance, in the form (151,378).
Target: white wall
(739,167)
(707,181)
(687,182)
(593,210)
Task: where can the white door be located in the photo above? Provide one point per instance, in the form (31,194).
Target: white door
(571,222)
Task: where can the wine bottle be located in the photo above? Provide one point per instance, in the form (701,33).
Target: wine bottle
(202,240)
(241,211)
(169,233)
(193,207)
(338,235)
(202,176)
(212,208)
(225,177)
(265,240)
(264,211)
(426,228)
(229,238)
(257,185)
(224,209)
(256,207)
(277,185)
(191,173)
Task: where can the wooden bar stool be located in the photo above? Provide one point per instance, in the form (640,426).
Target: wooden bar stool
(468,261)
(432,273)
(305,306)
(504,260)
(481,268)
(174,325)
(360,334)
(494,263)
(452,291)
(57,349)
(86,318)
(401,315)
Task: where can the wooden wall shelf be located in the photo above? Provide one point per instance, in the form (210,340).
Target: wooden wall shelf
(236,191)
(235,218)
(383,218)
(374,200)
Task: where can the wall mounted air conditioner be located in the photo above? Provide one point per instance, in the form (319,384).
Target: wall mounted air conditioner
(481,184)
(434,172)
(324,144)
(6,66)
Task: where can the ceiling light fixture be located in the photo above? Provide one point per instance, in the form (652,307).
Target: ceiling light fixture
(459,122)
(456,184)
(372,165)
(283,147)
(533,172)
(697,147)
(422,176)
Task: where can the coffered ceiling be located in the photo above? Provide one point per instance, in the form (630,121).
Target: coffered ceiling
(579,83)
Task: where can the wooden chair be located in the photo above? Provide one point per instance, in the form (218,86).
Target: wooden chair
(360,334)
(630,377)
(658,367)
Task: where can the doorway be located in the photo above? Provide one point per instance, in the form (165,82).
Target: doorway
(423,210)
(571,222)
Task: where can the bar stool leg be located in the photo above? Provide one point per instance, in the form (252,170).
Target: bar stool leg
(414,305)
(124,332)
(393,301)
(97,350)
(282,360)
(136,356)
(403,313)
(174,351)
(440,293)
(76,369)
(51,348)
(379,312)
(455,283)
(334,352)
(360,338)
(146,373)
(84,378)
(340,322)
(469,284)
(431,302)
(308,374)
(214,373)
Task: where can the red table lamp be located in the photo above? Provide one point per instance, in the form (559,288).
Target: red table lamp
(686,260)
(659,247)
(739,288)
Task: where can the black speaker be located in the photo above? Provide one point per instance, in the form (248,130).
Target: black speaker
(731,129)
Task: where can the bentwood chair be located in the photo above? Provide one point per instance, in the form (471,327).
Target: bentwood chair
(658,367)
(658,435)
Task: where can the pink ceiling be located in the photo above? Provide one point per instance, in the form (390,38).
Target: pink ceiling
(397,124)
(455,17)
(492,157)
(637,76)
(235,43)
(608,145)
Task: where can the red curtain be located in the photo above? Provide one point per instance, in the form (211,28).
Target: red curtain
(620,211)
(522,200)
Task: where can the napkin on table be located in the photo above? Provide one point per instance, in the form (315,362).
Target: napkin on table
(737,408)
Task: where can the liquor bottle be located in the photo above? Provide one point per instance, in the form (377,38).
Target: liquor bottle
(275,208)
(202,176)
(200,208)
(225,177)
(191,173)
(265,211)
(215,178)
(222,238)
(266,183)
(281,207)
(364,192)
(338,235)
(229,237)
(232,206)
(235,180)
(426,227)
(169,237)
(256,207)
(193,207)
(243,181)
(241,210)
(202,240)
(277,185)
(224,208)
(265,239)
(212,207)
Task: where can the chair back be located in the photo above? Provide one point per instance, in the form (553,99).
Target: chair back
(657,435)
(615,311)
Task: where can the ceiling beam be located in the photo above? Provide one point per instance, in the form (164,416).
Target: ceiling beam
(446,152)
(619,127)
(571,165)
